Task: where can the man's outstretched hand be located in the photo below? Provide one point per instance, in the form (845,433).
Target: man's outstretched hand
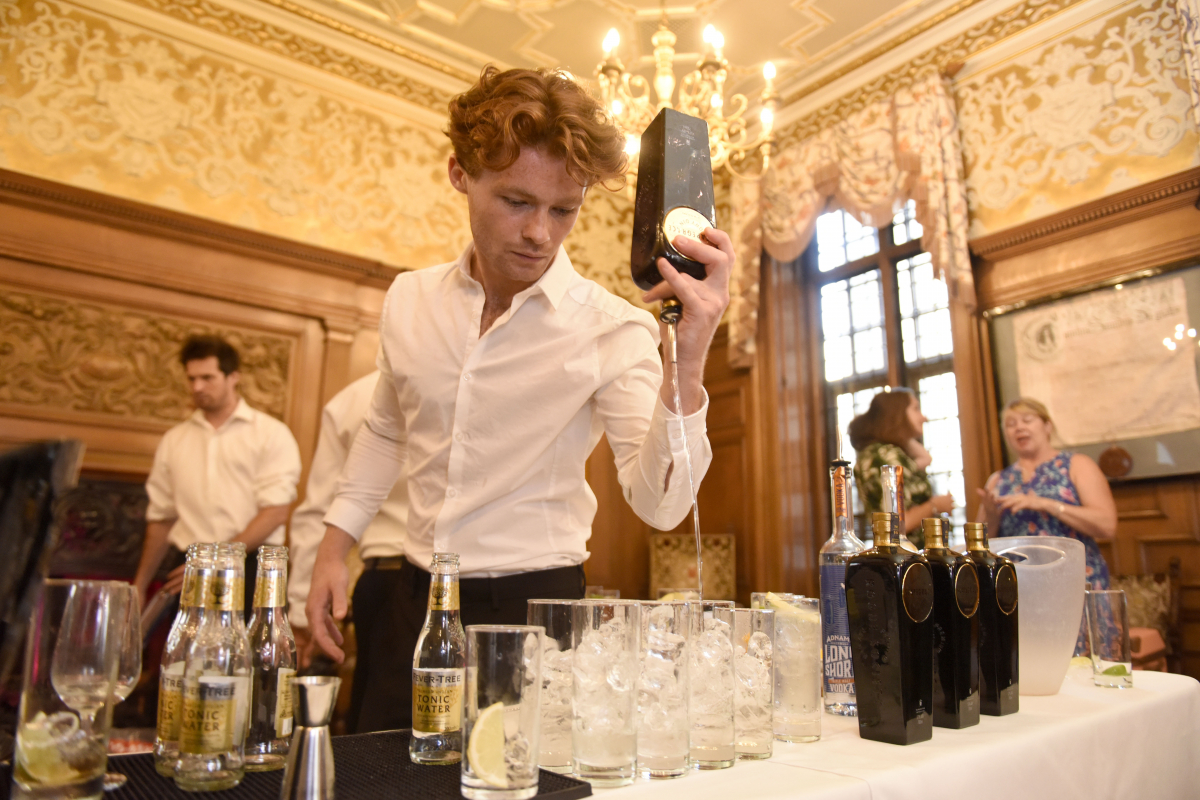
(327,598)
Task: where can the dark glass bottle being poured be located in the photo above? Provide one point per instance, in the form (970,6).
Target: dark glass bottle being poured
(674,198)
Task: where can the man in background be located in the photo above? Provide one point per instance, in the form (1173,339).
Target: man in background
(381,547)
(227,473)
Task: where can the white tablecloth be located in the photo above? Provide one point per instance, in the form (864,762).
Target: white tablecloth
(1084,742)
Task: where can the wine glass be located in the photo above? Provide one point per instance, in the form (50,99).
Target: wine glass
(87,652)
(129,669)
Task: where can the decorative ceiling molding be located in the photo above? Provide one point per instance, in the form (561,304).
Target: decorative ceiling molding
(216,18)
(942,58)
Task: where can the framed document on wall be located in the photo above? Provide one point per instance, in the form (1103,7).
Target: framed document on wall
(1117,366)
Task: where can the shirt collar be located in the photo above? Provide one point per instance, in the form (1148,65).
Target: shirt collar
(241,411)
(553,284)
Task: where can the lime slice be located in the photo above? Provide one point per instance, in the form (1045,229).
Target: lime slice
(1118,669)
(485,750)
(1081,661)
(38,753)
(783,607)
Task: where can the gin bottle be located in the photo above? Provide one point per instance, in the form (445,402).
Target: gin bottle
(272,664)
(197,573)
(889,597)
(216,683)
(835,631)
(955,630)
(674,198)
(998,671)
(438,666)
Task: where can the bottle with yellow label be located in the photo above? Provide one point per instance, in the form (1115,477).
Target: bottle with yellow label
(272,664)
(196,573)
(439,664)
(216,683)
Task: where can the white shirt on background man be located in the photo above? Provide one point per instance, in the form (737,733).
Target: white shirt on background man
(384,537)
(494,431)
(213,481)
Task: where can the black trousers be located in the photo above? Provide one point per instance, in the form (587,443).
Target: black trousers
(389,611)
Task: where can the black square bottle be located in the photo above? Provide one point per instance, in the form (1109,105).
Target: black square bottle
(955,630)
(998,636)
(889,600)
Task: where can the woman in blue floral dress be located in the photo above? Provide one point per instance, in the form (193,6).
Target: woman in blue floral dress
(1049,492)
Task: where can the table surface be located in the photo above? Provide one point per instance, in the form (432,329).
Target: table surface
(1084,742)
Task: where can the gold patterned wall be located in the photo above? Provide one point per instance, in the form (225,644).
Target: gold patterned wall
(106,105)
(1097,109)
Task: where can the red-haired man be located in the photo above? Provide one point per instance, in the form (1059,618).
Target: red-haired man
(500,371)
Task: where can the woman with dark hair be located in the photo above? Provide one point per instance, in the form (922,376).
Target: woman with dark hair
(890,433)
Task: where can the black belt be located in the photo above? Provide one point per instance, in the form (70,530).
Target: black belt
(506,587)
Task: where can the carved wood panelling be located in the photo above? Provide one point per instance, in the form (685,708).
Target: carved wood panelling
(57,353)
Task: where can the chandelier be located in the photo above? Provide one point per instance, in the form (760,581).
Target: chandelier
(701,94)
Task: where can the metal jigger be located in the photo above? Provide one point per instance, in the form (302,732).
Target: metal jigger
(308,774)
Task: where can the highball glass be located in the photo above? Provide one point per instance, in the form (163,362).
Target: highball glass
(557,656)
(711,680)
(1108,636)
(606,635)
(753,631)
(663,691)
(72,655)
(798,670)
(501,714)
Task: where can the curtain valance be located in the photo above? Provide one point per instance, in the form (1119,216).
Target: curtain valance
(905,147)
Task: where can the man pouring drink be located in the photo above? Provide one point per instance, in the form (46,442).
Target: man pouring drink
(499,373)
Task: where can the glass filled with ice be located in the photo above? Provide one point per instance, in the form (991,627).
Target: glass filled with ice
(606,636)
(798,667)
(753,634)
(662,713)
(501,713)
(557,656)
(72,655)
(710,713)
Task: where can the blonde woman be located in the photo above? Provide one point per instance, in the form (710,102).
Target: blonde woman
(1049,492)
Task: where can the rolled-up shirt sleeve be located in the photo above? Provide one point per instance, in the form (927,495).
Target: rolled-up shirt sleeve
(375,463)
(646,438)
(279,470)
(158,486)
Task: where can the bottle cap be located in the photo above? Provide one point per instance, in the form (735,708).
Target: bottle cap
(976,534)
(883,524)
(935,532)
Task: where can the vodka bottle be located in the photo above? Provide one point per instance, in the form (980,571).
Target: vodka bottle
(438,666)
(216,683)
(196,574)
(272,664)
(835,632)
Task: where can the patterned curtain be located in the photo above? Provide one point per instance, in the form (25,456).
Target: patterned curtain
(906,147)
(1189,18)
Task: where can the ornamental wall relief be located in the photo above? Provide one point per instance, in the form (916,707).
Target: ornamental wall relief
(102,104)
(1100,108)
(63,355)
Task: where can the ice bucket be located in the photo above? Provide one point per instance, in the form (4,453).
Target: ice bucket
(1050,580)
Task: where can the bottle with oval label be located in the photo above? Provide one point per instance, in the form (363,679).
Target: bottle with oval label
(955,630)
(674,195)
(999,692)
(889,603)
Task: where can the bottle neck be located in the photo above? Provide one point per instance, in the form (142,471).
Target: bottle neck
(270,586)
(840,489)
(444,591)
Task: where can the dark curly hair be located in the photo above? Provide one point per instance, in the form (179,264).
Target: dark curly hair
(543,109)
(198,348)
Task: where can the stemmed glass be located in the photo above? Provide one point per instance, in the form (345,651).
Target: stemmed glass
(130,668)
(86,653)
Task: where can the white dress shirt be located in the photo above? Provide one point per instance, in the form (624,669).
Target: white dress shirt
(496,429)
(213,481)
(384,537)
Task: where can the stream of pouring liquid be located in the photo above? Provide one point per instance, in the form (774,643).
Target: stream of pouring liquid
(687,454)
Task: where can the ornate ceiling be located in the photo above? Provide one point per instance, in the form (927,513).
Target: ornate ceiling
(807,39)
